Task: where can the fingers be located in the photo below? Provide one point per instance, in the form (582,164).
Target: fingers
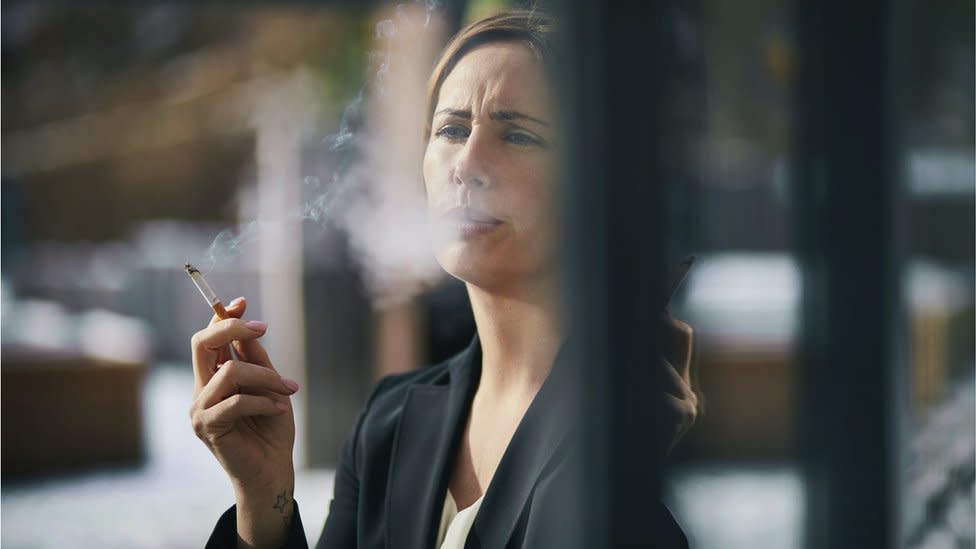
(209,345)
(236,377)
(683,407)
(684,413)
(674,384)
(248,350)
(677,340)
(211,423)
(252,351)
(235,309)
(680,401)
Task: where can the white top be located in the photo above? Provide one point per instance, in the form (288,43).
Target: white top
(456,525)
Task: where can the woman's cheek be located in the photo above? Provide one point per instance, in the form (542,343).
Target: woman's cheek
(434,161)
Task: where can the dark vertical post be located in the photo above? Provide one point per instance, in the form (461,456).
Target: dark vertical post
(614,94)
(848,199)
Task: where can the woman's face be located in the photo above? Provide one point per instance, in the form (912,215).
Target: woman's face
(489,169)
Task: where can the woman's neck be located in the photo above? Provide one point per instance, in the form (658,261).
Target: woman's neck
(520,335)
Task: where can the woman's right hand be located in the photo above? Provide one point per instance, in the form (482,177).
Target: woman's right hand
(241,408)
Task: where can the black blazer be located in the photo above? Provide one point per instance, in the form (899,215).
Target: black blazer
(395,467)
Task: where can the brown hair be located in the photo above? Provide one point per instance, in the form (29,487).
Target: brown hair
(532,28)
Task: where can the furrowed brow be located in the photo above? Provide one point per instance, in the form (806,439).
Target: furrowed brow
(497,115)
(455,113)
(515,115)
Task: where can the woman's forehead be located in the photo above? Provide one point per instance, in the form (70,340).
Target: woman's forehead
(505,75)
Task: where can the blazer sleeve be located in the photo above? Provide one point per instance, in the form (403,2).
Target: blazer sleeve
(224,535)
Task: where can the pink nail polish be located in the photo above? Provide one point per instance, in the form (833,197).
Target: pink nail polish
(290,384)
(257,325)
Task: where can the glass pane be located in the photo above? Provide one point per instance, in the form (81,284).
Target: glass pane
(734,480)
(937,110)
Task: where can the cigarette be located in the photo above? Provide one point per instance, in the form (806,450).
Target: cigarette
(201,283)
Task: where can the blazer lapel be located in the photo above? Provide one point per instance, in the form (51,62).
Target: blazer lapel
(536,441)
(425,444)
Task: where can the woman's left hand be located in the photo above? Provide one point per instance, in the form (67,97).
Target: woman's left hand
(681,402)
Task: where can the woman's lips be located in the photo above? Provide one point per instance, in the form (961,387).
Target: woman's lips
(471,222)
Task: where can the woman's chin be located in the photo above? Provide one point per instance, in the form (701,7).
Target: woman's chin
(492,272)
(462,264)
(472,266)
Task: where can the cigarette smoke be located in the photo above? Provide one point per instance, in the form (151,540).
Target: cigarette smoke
(375,195)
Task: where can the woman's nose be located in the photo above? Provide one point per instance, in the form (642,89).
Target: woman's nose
(472,165)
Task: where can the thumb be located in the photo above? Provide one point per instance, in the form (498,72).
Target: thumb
(250,350)
(237,307)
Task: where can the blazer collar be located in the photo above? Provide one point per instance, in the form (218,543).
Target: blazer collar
(427,441)
(537,440)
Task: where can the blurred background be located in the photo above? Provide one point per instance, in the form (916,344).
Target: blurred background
(137,137)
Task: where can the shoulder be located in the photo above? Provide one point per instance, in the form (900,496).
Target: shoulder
(372,440)
(455,371)
(384,406)
(393,388)
(374,435)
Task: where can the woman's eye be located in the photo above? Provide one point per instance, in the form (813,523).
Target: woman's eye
(453,131)
(520,138)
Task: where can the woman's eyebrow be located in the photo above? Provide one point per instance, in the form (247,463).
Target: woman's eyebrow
(496,115)
(515,115)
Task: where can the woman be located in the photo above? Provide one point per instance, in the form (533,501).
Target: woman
(479,432)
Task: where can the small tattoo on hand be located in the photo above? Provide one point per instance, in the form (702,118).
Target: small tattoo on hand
(281,502)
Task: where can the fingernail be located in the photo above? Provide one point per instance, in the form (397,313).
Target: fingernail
(257,325)
(235,301)
(281,406)
(290,384)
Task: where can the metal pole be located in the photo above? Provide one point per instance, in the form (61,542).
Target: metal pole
(615,95)
(848,199)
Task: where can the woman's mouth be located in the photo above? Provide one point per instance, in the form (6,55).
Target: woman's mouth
(470,222)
